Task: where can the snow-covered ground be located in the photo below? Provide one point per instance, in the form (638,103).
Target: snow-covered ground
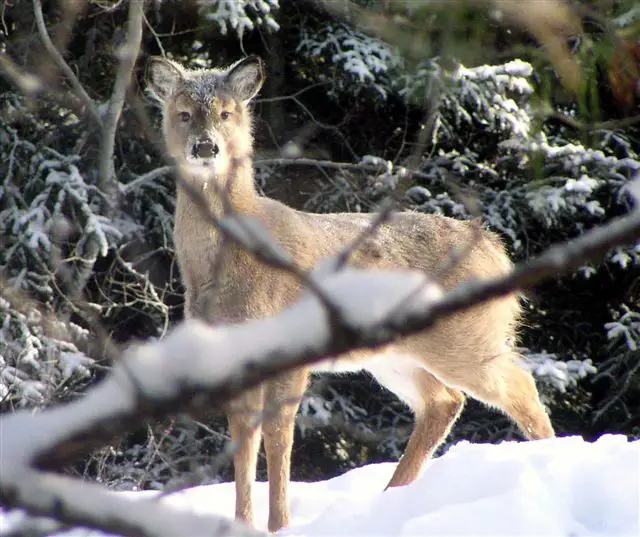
(560,487)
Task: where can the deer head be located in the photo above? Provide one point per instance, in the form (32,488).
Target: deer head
(206,119)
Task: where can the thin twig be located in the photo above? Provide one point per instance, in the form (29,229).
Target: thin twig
(78,88)
(381,217)
(154,34)
(351,166)
(291,96)
(145,178)
(577,124)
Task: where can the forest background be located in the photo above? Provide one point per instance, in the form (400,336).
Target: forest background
(528,118)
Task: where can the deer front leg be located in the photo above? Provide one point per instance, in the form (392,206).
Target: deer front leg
(435,414)
(244,415)
(281,403)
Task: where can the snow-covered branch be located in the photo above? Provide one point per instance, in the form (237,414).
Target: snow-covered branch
(76,502)
(175,375)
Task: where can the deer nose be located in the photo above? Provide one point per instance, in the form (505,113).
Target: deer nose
(205,150)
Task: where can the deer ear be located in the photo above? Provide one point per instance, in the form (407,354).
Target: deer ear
(162,77)
(245,78)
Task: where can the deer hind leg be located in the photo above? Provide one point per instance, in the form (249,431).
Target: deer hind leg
(501,382)
(244,415)
(281,400)
(436,408)
(517,396)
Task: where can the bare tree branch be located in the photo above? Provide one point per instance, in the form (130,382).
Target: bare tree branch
(145,178)
(369,167)
(612,124)
(128,53)
(78,88)
(107,177)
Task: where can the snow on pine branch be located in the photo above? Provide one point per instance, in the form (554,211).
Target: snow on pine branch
(40,359)
(241,15)
(491,95)
(623,360)
(559,195)
(557,373)
(628,18)
(574,183)
(491,103)
(625,329)
(356,60)
(45,193)
(49,210)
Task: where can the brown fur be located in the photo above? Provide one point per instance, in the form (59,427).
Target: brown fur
(466,353)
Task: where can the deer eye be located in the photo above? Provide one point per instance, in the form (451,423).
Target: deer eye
(184,116)
(225,115)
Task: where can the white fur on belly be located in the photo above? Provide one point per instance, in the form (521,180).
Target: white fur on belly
(336,366)
(396,372)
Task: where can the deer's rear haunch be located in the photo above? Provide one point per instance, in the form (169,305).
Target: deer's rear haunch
(208,132)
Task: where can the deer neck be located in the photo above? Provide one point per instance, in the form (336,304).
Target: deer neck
(234,192)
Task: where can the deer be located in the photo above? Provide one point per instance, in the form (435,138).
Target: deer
(207,121)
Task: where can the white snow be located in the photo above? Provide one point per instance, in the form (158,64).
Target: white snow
(549,369)
(627,326)
(559,487)
(240,14)
(367,60)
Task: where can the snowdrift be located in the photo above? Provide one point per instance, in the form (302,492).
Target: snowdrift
(559,487)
